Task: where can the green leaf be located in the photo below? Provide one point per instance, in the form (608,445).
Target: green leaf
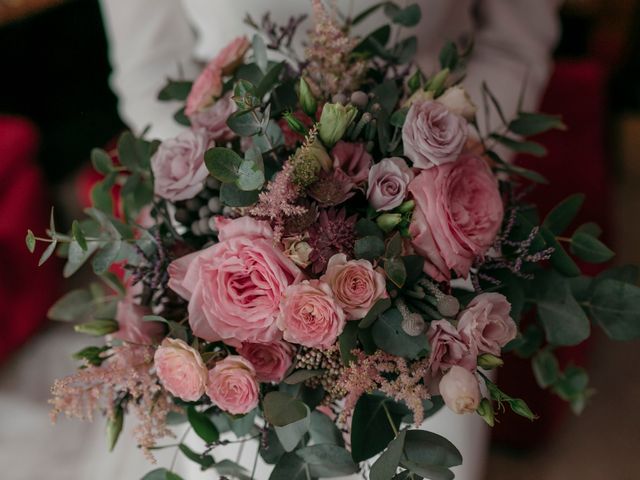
(290,467)
(270,139)
(366,227)
(223,164)
(205,461)
(409,16)
(386,465)
(589,248)
(323,430)
(545,368)
(244,123)
(48,252)
(101,161)
(260,53)
(202,425)
(590,228)
(232,196)
(389,336)
(98,327)
(533,123)
(375,42)
(127,151)
(30,240)
(387,95)
(77,257)
(519,146)
(398,117)
(175,90)
(524,173)
(573,387)
(78,235)
(371,429)
(382,305)
(396,271)
(228,468)
(161,474)
(429,449)
(101,197)
(405,50)
(73,306)
(428,471)
(560,259)
(615,306)
(300,376)
(561,216)
(449,56)
(327,461)
(289,416)
(271,451)
(369,247)
(394,246)
(270,80)
(348,340)
(250,176)
(105,256)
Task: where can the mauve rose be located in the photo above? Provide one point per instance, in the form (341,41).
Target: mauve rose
(432,135)
(129,314)
(351,161)
(270,360)
(214,119)
(356,286)
(448,348)
(234,287)
(457,101)
(233,386)
(457,216)
(206,88)
(388,181)
(178,165)
(460,390)
(180,369)
(310,315)
(486,322)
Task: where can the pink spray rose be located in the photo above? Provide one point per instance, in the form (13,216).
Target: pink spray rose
(352,162)
(310,315)
(178,165)
(232,55)
(233,386)
(457,216)
(180,369)
(486,322)
(270,360)
(205,89)
(388,181)
(449,348)
(356,286)
(129,314)
(214,119)
(432,135)
(234,287)
(460,390)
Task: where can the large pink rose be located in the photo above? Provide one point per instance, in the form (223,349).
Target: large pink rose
(460,390)
(178,165)
(205,89)
(214,119)
(231,56)
(356,286)
(129,314)
(234,287)
(351,161)
(388,182)
(310,315)
(270,360)
(180,369)
(457,216)
(449,348)
(432,135)
(233,386)
(486,322)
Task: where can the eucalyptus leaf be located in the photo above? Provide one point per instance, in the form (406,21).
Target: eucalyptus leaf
(369,247)
(202,425)
(205,461)
(101,161)
(589,248)
(534,123)
(386,465)
(223,164)
(520,146)
(75,305)
(327,461)
(371,426)
(545,368)
(615,306)
(561,216)
(323,430)
(232,196)
(389,336)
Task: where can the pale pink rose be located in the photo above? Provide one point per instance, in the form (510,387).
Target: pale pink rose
(432,135)
(232,55)
(178,165)
(129,314)
(486,322)
(388,182)
(205,89)
(352,162)
(449,348)
(180,369)
(270,360)
(213,119)
(356,286)
(310,315)
(234,287)
(457,216)
(460,390)
(233,386)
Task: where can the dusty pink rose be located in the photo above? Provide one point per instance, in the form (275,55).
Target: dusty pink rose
(231,56)
(214,119)
(457,216)
(432,135)
(178,165)
(486,322)
(233,386)
(180,369)
(270,360)
(449,348)
(352,162)
(310,315)
(388,182)
(460,390)
(129,314)
(205,89)
(356,286)
(234,287)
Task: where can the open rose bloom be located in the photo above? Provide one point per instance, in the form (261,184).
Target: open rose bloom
(331,235)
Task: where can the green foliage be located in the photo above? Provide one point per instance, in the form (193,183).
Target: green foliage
(101,161)
(290,417)
(323,430)
(615,306)
(545,368)
(114,427)
(161,474)
(589,248)
(389,336)
(386,465)
(449,56)
(327,461)
(520,146)
(205,461)
(378,308)
(517,405)
(73,306)
(202,425)
(534,123)
(93,355)
(561,216)
(572,386)
(347,341)
(175,90)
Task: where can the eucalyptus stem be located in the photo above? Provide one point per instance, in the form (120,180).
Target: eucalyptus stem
(388,414)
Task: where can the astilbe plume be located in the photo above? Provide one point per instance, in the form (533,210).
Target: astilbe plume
(333,233)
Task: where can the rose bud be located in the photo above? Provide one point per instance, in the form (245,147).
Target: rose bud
(306,98)
(457,101)
(489,362)
(460,391)
(334,121)
(180,369)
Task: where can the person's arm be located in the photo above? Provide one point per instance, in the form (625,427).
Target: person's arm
(149,41)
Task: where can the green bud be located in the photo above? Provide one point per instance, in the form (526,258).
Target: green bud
(97,327)
(415,81)
(334,121)
(306,98)
(485,410)
(388,221)
(114,427)
(521,408)
(407,206)
(489,362)
(295,124)
(436,84)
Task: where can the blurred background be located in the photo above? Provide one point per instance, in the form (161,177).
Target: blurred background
(56,105)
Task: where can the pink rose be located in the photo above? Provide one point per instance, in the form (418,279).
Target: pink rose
(178,166)
(234,287)
(310,315)
(460,390)
(486,322)
(180,369)
(129,314)
(232,55)
(352,161)
(214,119)
(356,286)
(388,181)
(233,386)
(270,360)
(457,216)
(449,348)
(432,135)
(206,88)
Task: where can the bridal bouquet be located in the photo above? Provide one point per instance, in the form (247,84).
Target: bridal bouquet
(330,251)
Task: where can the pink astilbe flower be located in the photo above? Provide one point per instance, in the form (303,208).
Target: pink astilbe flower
(333,233)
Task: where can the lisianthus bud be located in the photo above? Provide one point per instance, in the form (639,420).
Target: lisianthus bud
(114,427)
(388,221)
(295,124)
(306,98)
(97,327)
(418,96)
(460,391)
(334,121)
(407,206)
(415,81)
(457,100)
(436,84)
(488,361)
(485,410)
